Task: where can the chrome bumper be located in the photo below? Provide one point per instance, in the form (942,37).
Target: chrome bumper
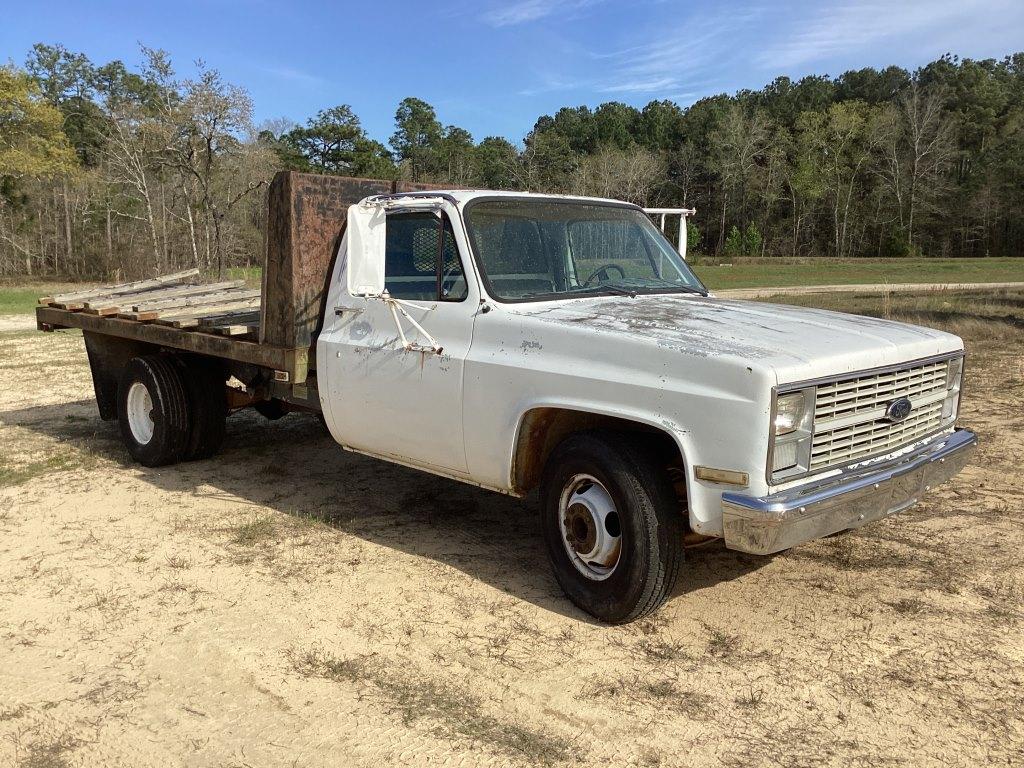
(767,524)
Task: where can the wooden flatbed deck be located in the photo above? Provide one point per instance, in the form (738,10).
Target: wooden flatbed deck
(218,319)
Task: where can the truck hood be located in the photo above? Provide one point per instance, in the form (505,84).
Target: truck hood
(798,343)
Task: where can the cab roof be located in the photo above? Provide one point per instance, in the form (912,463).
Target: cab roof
(462,196)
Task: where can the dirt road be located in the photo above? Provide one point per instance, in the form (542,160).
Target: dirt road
(10,323)
(288,604)
(805,290)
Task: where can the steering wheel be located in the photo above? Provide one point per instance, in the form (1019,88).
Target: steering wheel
(454,271)
(604,271)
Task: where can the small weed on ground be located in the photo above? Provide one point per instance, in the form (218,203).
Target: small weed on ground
(455,713)
(721,645)
(255,531)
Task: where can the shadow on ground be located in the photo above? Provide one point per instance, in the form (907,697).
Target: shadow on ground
(293,467)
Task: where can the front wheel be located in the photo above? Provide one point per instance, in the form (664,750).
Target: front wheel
(612,525)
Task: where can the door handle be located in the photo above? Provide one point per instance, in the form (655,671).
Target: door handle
(339,311)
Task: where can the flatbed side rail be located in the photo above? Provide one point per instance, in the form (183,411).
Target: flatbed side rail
(296,362)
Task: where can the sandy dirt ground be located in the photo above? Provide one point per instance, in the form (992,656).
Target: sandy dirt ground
(10,323)
(288,604)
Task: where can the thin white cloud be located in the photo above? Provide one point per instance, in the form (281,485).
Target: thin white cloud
(838,29)
(639,86)
(673,59)
(684,51)
(691,45)
(524,11)
(550,84)
(293,75)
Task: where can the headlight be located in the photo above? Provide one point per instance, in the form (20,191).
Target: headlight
(791,431)
(785,455)
(954,371)
(789,411)
(954,377)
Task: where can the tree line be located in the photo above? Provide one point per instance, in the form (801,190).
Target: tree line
(108,172)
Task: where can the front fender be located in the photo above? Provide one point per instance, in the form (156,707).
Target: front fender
(599,410)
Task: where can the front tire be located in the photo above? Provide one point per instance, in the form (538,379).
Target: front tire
(612,525)
(153,411)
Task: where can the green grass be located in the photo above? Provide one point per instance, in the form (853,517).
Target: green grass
(832,271)
(12,474)
(20,298)
(18,301)
(253,276)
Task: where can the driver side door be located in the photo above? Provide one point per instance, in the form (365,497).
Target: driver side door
(385,400)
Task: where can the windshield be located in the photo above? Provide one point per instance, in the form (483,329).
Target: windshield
(532,249)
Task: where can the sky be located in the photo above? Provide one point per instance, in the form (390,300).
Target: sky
(494,66)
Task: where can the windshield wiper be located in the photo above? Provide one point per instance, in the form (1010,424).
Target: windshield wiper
(616,290)
(638,289)
(674,286)
(609,287)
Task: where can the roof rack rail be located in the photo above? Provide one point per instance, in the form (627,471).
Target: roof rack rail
(393,196)
(683,214)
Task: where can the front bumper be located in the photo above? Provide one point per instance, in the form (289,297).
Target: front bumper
(772,523)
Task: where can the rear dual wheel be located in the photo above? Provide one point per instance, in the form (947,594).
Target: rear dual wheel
(171,409)
(204,382)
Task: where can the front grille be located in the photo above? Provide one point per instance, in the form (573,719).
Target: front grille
(848,414)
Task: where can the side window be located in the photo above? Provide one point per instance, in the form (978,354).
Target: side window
(421,259)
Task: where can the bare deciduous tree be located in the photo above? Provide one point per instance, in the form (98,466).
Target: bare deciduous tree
(624,174)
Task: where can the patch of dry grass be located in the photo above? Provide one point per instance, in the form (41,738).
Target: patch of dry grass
(983,316)
(455,713)
(257,530)
(16,469)
(46,753)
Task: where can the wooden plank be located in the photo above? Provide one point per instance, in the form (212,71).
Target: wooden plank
(245,316)
(241,329)
(191,319)
(194,301)
(242,316)
(76,299)
(104,306)
(147,312)
(142,317)
(231,305)
(231,324)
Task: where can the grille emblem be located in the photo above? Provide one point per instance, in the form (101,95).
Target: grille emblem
(898,410)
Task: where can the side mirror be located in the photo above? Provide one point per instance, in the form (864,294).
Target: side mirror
(365,236)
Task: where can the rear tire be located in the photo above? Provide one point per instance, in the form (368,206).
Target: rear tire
(634,574)
(204,383)
(153,410)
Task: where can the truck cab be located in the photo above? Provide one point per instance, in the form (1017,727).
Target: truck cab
(523,342)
